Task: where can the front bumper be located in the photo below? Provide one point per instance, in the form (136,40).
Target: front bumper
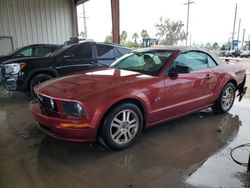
(242,89)
(51,126)
(12,83)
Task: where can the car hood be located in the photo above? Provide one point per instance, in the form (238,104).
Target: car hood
(87,83)
(4,58)
(28,59)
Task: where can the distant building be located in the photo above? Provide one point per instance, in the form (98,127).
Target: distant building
(147,42)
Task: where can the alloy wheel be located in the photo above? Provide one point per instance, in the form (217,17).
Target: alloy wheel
(124,127)
(227,98)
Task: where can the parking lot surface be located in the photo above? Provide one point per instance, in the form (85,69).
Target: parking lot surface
(192,151)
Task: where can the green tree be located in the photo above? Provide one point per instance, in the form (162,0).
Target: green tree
(215,46)
(170,32)
(82,34)
(209,46)
(135,37)
(247,45)
(124,36)
(223,47)
(144,34)
(131,44)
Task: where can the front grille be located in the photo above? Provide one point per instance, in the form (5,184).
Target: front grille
(46,104)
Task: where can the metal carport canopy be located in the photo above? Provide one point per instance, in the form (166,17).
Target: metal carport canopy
(115,19)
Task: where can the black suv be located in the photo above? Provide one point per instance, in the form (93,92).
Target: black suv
(24,74)
(34,50)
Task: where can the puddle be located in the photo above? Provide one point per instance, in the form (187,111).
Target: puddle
(220,170)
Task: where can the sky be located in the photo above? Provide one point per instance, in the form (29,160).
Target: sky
(209,21)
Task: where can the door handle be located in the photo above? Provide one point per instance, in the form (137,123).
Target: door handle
(208,76)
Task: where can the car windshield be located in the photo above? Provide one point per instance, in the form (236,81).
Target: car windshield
(144,62)
(60,50)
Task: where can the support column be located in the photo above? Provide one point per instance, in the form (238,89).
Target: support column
(115,21)
(74,19)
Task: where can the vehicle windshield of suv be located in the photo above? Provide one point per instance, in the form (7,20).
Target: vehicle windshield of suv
(144,62)
(13,52)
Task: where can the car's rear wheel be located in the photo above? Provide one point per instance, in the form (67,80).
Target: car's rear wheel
(122,126)
(36,80)
(226,99)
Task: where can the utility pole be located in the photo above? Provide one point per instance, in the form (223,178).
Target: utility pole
(84,22)
(238,37)
(188,5)
(235,14)
(243,38)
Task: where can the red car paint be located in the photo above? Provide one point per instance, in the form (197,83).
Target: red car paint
(162,97)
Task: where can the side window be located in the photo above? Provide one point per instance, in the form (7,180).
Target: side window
(46,50)
(105,51)
(70,52)
(117,53)
(27,52)
(194,60)
(211,62)
(123,50)
(84,51)
(37,51)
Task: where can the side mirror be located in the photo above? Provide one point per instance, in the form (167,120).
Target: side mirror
(178,69)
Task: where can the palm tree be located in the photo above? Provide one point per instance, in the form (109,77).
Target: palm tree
(124,36)
(144,34)
(135,37)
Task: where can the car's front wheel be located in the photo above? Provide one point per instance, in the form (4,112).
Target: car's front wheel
(36,81)
(226,99)
(122,126)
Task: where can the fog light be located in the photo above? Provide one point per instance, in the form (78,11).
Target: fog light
(74,125)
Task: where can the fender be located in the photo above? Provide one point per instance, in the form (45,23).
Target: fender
(101,111)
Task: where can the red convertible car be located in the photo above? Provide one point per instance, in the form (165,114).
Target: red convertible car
(139,90)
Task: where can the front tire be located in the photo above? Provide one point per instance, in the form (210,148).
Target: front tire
(36,81)
(226,99)
(122,126)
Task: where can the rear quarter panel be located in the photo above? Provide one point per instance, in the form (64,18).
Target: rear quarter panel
(226,72)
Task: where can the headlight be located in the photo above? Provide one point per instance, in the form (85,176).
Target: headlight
(73,109)
(46,102)
(13,68)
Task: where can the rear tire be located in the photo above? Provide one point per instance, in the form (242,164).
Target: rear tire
(122,126)
(36,81)
(226,99)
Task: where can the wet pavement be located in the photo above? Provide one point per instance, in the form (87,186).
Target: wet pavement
(192,151)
